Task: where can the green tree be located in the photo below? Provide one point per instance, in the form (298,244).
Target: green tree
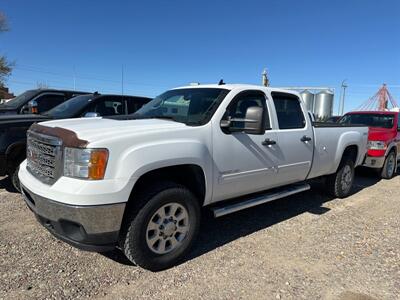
(5,65)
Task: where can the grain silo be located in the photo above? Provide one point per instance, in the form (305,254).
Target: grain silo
(323,105)
(308,98)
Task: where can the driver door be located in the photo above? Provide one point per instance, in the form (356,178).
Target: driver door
(243,163)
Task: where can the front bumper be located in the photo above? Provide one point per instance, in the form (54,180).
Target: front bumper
(91,228)
(374,161)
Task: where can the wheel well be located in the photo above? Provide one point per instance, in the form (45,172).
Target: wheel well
(15,153)
(191,176)
(351,152)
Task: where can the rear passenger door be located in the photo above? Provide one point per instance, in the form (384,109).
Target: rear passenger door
(294,138)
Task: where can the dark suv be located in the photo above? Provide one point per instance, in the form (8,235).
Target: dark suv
(13,128)
(45,99)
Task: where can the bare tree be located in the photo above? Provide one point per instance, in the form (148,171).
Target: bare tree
(5,65)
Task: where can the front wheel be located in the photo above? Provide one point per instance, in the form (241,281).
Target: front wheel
(340,183)
(157,235)
(14,179)
(389,167)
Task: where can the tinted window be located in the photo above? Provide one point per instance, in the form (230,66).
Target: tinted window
(371,120)
(288,111)
(21,99)
(107,106)
(240,104)
(70,108)
(48,101)
(135,104)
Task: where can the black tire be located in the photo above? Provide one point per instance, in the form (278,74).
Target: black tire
(389,167)
(14,179)
(133,240)
(340,183)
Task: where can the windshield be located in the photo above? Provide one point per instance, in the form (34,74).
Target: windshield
(371,120)
(21,99)
(192,106)
(69,108)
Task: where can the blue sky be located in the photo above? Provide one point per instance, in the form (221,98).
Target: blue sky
(163,44)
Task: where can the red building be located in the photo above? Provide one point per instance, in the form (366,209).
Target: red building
(5,94)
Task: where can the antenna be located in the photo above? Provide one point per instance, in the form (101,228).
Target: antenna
(221,82)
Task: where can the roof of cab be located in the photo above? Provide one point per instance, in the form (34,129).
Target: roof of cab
(240,86)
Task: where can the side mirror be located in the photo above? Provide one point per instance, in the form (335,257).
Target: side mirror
(253,122)
(32,107)
(91,115)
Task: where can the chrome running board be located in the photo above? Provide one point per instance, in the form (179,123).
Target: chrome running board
(237,205)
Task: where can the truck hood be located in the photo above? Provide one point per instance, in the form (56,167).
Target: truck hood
(97,129)
(380,134)
(14,120)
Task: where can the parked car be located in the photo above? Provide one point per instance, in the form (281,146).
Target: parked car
(45,99)
(383,139)
(13,128)
(139,181)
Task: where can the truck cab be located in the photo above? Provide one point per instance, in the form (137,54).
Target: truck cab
(383,139)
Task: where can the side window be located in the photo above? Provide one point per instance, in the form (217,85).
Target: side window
(288,111)
(48,101)
(107,106)
(237,109)
(135,104)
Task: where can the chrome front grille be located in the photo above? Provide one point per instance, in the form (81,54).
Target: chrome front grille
(44,157)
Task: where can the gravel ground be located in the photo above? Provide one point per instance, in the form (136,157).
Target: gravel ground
(307,246)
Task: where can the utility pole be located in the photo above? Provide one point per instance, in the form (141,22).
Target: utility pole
(74,78)
(344,86)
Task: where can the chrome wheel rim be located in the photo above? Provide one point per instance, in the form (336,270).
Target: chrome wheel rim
(347,178)
(390,165)
(167,228)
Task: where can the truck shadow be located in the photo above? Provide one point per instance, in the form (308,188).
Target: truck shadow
(231,227)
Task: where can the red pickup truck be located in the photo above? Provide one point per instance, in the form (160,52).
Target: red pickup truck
(383,139)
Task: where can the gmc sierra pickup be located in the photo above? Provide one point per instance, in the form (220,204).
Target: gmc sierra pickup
(138,182)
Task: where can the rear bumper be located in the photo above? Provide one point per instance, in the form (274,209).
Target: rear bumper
(91,228)
(374,162)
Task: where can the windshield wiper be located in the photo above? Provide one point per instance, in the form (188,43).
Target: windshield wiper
(163,117)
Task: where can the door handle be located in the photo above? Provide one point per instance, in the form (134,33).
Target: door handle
(305,139)
(268,142)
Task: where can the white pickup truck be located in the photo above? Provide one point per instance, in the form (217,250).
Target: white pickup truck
(138,182)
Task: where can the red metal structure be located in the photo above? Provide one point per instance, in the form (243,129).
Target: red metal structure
(381,101)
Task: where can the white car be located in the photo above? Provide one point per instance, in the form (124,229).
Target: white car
(138,182)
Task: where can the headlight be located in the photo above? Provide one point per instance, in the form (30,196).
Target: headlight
(376,145)
(85,163)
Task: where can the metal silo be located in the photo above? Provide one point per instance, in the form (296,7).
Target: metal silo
(323,105)
(308,98)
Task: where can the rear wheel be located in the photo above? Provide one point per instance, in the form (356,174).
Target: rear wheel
(340,183)
(389,167)
(158,233)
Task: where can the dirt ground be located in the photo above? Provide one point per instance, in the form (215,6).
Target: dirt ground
(307,246)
